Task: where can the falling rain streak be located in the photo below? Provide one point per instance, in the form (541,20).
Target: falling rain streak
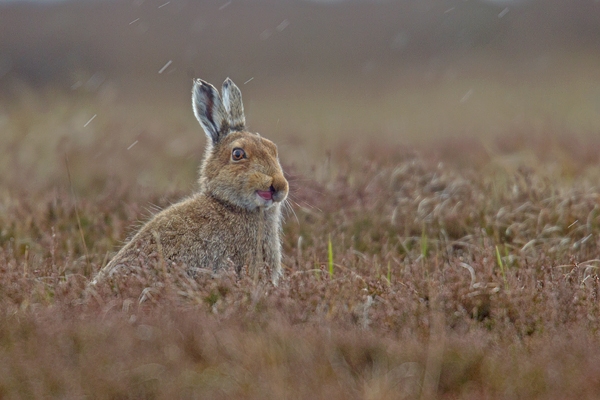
(132,144)
(90,120)
(165,67)
(284,24)
(466,96)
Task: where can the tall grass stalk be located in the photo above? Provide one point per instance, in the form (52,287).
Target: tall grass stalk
(330,256)
(424,244)
(501,265)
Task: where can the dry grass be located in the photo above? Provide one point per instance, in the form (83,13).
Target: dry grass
(462,269)
(461,266)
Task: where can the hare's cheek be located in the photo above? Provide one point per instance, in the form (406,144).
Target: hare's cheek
(257,181)
(239,182)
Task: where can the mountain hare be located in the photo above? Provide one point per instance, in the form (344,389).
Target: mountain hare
(234,220)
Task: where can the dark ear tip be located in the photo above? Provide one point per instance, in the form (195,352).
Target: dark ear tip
(227,82)
(203,86)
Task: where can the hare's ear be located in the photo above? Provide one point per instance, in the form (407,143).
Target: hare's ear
(209,110)
(232,99)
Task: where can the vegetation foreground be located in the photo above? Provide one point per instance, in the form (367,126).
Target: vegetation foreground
(452,271)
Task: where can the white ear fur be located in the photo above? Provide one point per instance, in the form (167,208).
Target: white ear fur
(210,111)
(232,100)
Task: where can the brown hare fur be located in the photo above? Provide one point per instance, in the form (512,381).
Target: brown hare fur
(234,220)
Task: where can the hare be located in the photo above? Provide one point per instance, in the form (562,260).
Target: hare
(234,219)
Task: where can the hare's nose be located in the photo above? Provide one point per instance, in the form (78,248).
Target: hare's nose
(279,188)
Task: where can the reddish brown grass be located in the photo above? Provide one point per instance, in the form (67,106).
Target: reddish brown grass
(460,270)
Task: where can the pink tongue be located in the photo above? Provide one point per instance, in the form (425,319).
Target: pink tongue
(266,194)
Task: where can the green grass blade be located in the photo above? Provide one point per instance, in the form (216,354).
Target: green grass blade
(389,274)
(424,244)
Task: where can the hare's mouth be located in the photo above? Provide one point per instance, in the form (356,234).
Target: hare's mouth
(265,194)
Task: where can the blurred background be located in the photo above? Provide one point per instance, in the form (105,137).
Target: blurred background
(104,86)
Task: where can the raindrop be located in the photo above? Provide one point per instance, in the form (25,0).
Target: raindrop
(91,119)
(284,24)
(224,5)
(165,67)
(94,82)
(248,80)
(466,96)
(265,34)
(161,6)
(503,12)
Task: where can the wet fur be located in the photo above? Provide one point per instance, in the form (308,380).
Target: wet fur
(225,223)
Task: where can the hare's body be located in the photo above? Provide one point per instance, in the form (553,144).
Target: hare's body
(235,218)
(185,231)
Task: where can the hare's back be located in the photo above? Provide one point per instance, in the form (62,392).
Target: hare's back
(200,232)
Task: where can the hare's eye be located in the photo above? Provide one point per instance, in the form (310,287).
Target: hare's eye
(237,154)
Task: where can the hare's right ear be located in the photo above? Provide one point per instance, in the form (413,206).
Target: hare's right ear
(209,110)
(232,100)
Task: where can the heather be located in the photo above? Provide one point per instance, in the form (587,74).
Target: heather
(457,269)
(441,234)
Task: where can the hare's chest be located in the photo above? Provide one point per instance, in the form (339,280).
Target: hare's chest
(223,248)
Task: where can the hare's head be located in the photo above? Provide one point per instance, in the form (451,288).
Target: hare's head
(239,167)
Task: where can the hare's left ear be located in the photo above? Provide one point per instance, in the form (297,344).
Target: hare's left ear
(210,111)
(232,100)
